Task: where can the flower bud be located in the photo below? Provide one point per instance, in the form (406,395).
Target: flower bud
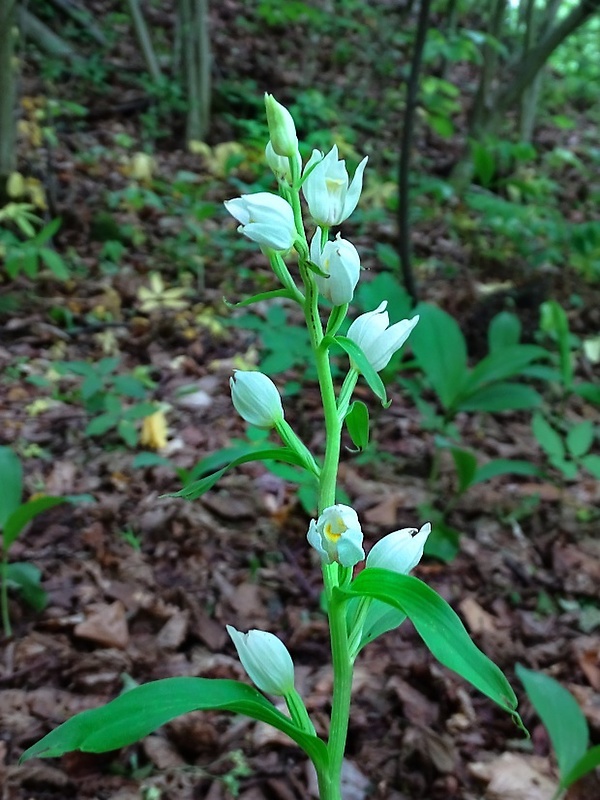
(265,218)
(399,551)
(266,660)
(379,342)
(337,536)
(280,165)
(256,398)
(330,199)
(281,128)
(340,260)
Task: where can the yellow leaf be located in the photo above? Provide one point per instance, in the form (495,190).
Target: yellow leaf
(154,431)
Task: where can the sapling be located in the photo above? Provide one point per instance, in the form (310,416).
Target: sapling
(359,606)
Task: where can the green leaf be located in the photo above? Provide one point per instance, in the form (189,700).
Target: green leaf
(441,351)
(362,364)
(24,514)
(220,458)
(505,466)
(501,364)
(357,422)
(130,386)
(26,578)
(548,439)
(554,320)
(466,467)
(580,438)
(504,331)
(147,459)
(48,231)
(441,630)
(586,764)
(257,298)
(592,464)
(503,396)
(54,263)
(140,711)
(100,425)
(589,392)
(562,717)
(128,432)
(484,162)
(11,483)
(200,487)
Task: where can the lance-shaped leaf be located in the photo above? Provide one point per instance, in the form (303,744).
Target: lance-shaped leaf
(257,298)
(440,628)
(198,488)
(11,483)
(24,514)
(140,711)
(560,713)
(362,364)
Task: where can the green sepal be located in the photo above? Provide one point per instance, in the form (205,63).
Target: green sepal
(26,512)
(440,628)
(198,488)
(257,298)
(357,423)
(362,364)
(138,712)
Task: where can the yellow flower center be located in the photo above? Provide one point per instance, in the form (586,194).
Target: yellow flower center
(333,530)
(334,185)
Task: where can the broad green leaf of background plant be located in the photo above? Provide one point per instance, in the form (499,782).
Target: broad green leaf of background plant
(439,347)
(197,488)
(441,630)
(466,467)
(27,579)
(580,438)
(504,331)
(548,439)
(505,466)
(504,396)
(561,715)
(554,320)
(357,423)
(138,712)
(11,483)
(502,364)
(24,514)
(586,764)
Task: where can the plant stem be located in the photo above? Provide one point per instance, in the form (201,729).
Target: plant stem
(4,597)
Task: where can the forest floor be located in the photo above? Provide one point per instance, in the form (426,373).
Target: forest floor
(140,585)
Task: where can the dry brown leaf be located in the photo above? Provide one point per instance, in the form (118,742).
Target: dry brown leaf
(512,776)
(106,625)
(478,619)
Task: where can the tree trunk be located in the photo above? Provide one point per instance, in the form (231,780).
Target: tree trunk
(193,15)
(8,32)
(412,90)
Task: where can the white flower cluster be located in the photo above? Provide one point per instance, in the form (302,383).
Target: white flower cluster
(275,223)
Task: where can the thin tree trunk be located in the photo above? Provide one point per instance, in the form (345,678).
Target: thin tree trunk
(489,70)
(412,91)
(44,38)
(197,62)
(8,31)
(145,42)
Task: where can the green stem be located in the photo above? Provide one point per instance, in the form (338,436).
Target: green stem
(4,597)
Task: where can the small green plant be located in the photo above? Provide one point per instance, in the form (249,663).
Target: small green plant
(489,387)
(567,446)
(14,516)
(107,396)
(566,726)
(27,255)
